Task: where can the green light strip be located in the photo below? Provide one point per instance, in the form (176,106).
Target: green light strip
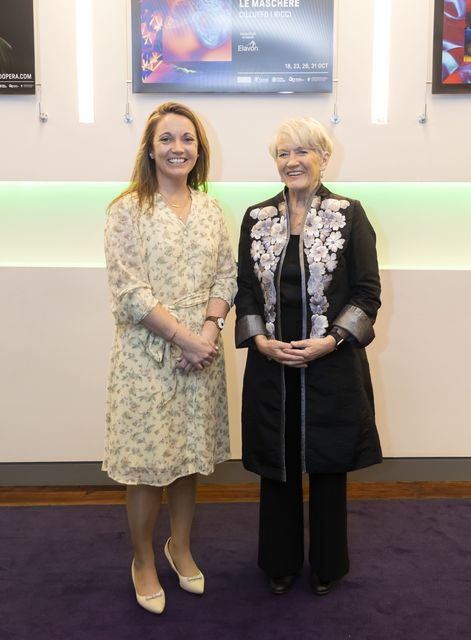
(60,224)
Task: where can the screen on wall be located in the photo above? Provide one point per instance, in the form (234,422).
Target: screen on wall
(254,46)
(16,47)
(452,47)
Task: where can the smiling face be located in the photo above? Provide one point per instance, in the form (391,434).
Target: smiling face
(299,167)
(175,147)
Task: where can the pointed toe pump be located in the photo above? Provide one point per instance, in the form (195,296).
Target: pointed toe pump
(193,584)
(154,603)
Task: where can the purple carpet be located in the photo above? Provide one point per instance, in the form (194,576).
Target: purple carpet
(65,574)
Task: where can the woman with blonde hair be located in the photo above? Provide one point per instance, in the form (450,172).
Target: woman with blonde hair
(171,275)
(306,303)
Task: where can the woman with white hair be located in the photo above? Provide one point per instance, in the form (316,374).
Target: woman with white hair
(308,295)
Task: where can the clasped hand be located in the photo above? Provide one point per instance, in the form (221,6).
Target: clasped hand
(197,353)
(297,353)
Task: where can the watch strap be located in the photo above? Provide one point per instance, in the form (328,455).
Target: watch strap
(339,335)
(219,322)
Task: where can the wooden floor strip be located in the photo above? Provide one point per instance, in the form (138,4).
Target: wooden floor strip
(214,493)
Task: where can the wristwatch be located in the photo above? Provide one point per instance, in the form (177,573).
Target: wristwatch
(337,335)
(219,322)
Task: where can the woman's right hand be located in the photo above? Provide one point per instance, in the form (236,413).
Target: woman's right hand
(282,352)
(197,351)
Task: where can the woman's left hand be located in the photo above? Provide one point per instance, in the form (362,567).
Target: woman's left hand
(314,348)
(209,331)
(185,365)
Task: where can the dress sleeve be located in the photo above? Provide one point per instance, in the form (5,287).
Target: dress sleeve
(250,321)
(224,285)
(132,297)
(358,316)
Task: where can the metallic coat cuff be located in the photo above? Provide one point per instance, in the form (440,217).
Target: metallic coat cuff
(355,321)
(248,327)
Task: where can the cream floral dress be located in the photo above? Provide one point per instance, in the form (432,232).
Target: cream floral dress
(162,423)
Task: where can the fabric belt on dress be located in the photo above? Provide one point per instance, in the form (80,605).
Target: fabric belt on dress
(164,353)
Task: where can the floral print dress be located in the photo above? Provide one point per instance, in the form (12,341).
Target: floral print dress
(162,423)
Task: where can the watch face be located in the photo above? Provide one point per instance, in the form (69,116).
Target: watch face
(220,322)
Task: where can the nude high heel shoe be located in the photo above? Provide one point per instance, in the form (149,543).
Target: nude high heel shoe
(154,603)
(193,584)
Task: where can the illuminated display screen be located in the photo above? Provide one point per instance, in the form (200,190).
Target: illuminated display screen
(452,47)
(267,46)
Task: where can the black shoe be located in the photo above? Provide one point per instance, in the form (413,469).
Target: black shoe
(281,585)
(322,588)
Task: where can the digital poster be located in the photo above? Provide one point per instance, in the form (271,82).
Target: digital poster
(253,46)
(452,47)
(16,47)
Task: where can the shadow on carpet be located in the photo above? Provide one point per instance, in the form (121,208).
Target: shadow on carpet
(65,574)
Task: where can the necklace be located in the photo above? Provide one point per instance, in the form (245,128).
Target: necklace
(174,205)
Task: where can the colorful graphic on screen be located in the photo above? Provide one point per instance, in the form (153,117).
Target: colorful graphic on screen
(232,45)
(456,42)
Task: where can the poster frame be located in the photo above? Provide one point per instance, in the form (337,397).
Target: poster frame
(139,86)
(438,86)
(15,61)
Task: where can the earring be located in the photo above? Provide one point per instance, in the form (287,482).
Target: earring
(151,155)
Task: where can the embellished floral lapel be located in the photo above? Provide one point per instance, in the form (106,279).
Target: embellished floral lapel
(269,236)
(322,239)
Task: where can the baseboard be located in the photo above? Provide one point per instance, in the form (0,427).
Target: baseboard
(60,474)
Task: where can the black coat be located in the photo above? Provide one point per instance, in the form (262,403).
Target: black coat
(337,413)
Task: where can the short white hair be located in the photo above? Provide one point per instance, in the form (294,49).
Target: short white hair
(304,132)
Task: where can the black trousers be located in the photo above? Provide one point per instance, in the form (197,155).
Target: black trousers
(281,532)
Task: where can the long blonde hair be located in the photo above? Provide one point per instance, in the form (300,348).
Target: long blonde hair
(144,182)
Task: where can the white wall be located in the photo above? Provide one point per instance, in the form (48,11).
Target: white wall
(55,337)
(55,328)
(240,126)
